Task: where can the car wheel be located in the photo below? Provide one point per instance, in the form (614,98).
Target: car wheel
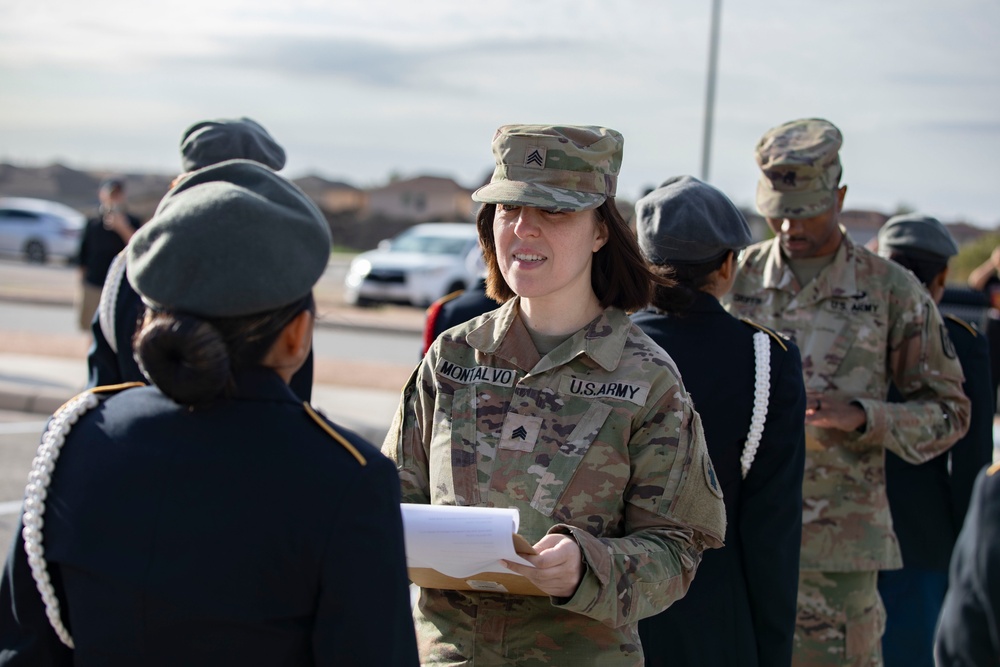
(34,251)
(363,302)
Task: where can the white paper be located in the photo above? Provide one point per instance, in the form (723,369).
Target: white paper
(460,541)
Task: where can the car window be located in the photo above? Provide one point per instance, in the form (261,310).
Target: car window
(430,245)
(14,215)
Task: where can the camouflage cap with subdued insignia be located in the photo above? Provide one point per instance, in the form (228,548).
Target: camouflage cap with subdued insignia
(563,168)
(800,168)
(917,235)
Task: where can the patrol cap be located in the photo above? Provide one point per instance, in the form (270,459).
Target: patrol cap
(558,167)
(212,141)
(229,240)
(917,235)
(800,168)
(686,220)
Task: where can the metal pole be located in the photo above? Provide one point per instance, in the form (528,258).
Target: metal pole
(713,59)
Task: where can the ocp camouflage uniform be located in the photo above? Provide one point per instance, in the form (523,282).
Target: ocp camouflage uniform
(598,440)
(862,323)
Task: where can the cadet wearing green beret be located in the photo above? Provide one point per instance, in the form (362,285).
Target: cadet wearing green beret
(110,359)
(929,501)
(198,521)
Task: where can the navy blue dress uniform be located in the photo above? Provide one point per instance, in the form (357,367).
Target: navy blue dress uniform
(929,501)
(110,359)
(740,608)
(251,533)
(968,633)
(218,519)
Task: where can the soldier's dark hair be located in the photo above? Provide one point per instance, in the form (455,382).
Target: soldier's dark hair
(619,275)
(192,359)
(687,280)
(924,268)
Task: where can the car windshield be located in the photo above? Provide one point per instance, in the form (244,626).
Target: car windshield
(429,245)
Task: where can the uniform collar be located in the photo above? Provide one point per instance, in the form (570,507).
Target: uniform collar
(504,335)
(262,384)
(837,279)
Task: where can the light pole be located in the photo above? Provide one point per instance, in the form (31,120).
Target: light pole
(713,59)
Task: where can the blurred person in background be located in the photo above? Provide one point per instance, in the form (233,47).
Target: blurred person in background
(209,519)
(929,501)
(111,359)
(746,383)
(103,238)
(461,305)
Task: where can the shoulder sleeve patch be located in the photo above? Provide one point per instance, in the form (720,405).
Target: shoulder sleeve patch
(962,323)
(344,442)
(770,332)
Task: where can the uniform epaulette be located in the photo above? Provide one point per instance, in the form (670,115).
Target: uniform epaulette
(104,389)
(959,321)
(446,298)
(333,434)
(770,332)
(992,470)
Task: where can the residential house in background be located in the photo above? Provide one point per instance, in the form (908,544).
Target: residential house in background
(421,199)
(332,196)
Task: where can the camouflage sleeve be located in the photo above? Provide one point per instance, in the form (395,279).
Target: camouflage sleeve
(406,442)
(924,367)
(673,512)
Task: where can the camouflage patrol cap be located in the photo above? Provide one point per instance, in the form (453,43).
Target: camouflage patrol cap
(800,168)
(564,168)
(919,236)
(213,141)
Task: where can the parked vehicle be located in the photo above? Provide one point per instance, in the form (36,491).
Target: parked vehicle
(416,267)
(38,229)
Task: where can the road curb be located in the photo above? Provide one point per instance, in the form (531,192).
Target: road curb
(17,397)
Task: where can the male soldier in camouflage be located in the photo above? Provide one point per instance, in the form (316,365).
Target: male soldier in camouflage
(557,405)
(861,322)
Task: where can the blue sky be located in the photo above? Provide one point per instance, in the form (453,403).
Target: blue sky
(356,91)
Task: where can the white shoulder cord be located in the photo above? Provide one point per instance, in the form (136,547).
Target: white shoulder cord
(761,395)
(109,299)
(34,503)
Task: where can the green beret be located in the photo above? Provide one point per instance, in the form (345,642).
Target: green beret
(565,168)
(687,221)
(213,141)
(919,236)
(229,240)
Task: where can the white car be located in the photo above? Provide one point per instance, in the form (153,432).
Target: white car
(416,267)
(38,229)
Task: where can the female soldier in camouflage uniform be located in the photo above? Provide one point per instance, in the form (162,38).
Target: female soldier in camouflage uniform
(557,405)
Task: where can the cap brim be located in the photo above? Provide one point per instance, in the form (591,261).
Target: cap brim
(776,204)
(535,195)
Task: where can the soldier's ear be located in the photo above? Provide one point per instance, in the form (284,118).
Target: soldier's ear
(841,193)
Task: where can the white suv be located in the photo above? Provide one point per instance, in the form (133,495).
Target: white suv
(417,267)
(38,229)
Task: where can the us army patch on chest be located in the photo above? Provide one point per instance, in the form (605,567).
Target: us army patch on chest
(636,392)
(503,377)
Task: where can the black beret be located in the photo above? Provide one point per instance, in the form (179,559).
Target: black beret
(686,220)
(916,235)
(231,239)
(212,141)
